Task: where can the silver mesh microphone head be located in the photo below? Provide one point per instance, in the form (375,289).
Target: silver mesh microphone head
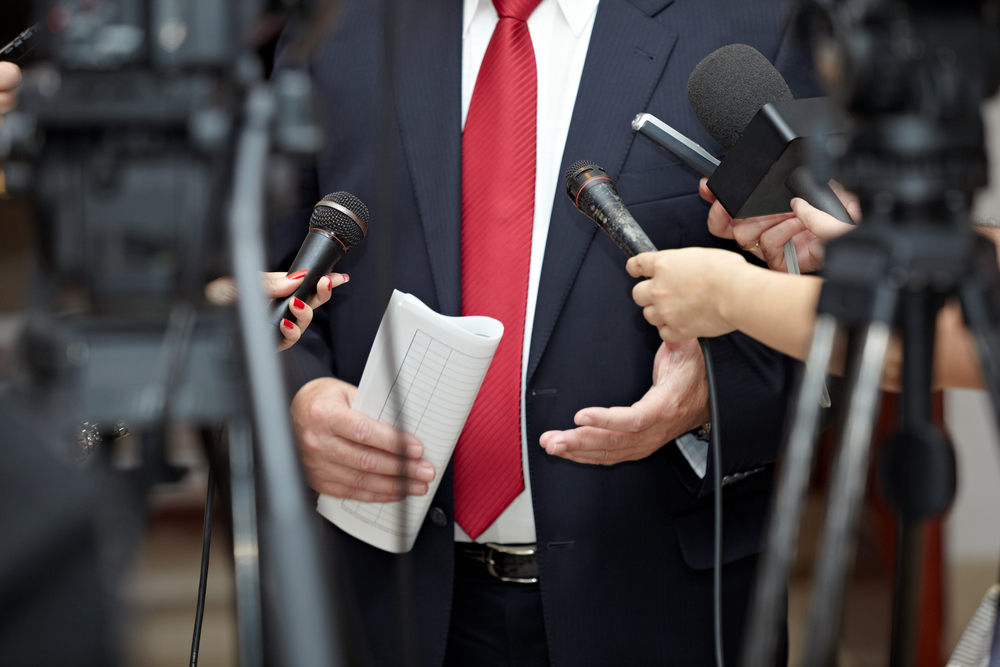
(343,215)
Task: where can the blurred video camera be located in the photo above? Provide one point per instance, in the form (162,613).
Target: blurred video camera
(125,141)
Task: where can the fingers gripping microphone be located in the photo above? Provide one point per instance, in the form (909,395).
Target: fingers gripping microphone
(594,193)
(338,223)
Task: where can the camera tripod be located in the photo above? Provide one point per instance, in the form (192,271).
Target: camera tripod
(130,186)
(913,85)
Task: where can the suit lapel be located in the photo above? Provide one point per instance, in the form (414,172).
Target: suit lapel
(428,104)
(626,58)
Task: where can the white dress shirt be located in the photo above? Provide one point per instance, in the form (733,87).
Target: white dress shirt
(560,34)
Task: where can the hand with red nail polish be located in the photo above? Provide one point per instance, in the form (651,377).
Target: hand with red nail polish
(223,292)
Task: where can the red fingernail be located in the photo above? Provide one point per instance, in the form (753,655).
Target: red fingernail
(287,324)
(347,278)
(299,303)
(297,274)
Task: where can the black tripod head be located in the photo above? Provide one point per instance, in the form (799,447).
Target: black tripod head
(913,76)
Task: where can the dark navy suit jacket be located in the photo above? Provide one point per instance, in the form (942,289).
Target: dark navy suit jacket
(625,551)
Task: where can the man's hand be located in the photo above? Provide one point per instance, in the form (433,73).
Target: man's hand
(675,404)
(10,76)
(765,236)
(348,455)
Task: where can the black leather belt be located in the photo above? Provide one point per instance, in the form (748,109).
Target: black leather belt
(516,563)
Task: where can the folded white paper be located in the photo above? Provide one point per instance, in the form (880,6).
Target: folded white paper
(422,376)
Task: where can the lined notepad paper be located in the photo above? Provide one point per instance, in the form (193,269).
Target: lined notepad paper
(422,375)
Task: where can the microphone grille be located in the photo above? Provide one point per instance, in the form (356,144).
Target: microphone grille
(574,170)
(578,174)
(729,87)
(339,223)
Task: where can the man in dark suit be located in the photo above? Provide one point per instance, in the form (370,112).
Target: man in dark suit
(623,551)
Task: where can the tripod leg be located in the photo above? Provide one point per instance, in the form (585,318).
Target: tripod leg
(772,575)
(844,502)
(989,365)
(245,545)
(981,309)
(906,598)
(976,314)
(306,626)
(917,469)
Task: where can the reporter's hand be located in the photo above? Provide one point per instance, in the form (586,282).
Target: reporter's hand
(765,236)
(10,77)
(688,289)
(675,404)
(348,455)
(822,226)
(223,292)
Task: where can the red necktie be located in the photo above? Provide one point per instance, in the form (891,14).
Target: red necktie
(498,209)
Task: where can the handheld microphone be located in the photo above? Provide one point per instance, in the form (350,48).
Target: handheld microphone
(593,192)
(21,45)
(746,106)
(338,223)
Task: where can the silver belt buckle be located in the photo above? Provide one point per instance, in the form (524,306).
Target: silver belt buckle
(491,565)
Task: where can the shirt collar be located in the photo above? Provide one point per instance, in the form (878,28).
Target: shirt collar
(576,13)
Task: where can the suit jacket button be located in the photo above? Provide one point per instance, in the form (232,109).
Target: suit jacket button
(438,517)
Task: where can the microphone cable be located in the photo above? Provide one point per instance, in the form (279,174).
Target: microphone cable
(716,446)
(206,543)
(593,192)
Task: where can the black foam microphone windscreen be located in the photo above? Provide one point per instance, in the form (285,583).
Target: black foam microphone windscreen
(338,222)
(729,87)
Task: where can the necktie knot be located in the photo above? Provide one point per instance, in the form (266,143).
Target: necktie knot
(515,9)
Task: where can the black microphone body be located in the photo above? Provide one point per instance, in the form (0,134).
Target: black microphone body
(319,253)
(338,223)
(765,168)
(594,193)
(802,183)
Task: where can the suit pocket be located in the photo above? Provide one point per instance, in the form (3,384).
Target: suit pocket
(673,179)
(669,222)
(743,520)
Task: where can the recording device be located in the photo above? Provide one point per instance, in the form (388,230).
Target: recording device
(21,45)
(338,223)
(593,192)
(667,137)
(746,106)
